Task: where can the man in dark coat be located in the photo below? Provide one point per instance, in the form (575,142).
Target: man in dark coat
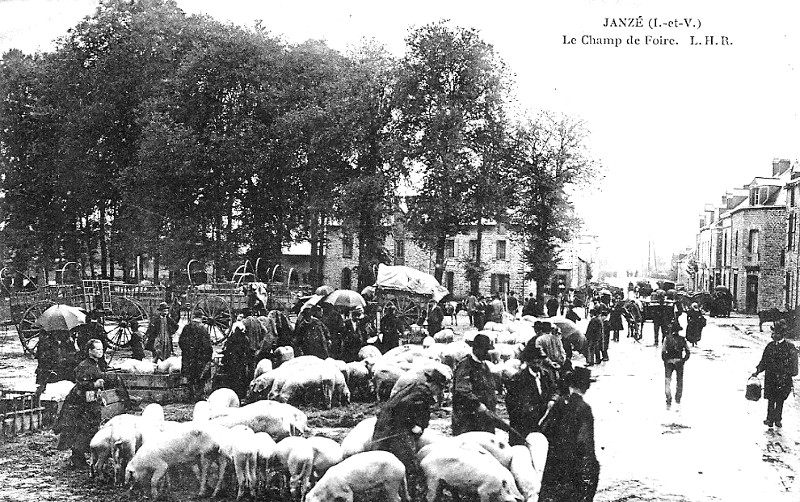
(435,318)
(311,335)
(389,336)
(356,332)
(474,398)
(158,338)
(513,304)
(195,344)
(594,337)
(80,414)
(695,322)
(56,356)
(572,471)
(402,421)
(552,306)
(332,320)
(530,393)
(237,360)
(779,364)
(93,328)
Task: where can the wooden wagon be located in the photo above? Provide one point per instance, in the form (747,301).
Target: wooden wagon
(120,305)
(216,305)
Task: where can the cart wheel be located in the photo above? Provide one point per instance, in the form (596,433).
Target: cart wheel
(215,313)
(408,312)
(27,329)
(117,324)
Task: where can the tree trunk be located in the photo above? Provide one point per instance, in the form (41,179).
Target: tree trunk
(438,270)
(313,231)
(101,235)
(540,284)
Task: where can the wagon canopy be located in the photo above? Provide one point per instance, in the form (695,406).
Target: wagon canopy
(411,280)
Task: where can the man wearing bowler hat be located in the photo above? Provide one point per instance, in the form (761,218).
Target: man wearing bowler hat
(531,393)
(572,471)
(474,398)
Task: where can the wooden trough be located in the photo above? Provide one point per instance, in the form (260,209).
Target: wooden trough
(156,388)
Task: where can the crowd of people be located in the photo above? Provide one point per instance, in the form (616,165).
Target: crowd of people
(546,395)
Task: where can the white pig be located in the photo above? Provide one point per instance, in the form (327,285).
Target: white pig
(359,473)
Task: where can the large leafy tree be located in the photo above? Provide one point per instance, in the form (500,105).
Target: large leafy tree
(366,198)
(38,213)
(551,159)
(448,93)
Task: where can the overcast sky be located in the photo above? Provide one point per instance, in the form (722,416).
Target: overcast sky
(674,126)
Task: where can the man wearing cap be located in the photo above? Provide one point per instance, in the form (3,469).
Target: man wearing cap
(674,353)
(159,333)
(604,314)
(779,364)
(572,471)
(474,398)
(553,347)
(530,393)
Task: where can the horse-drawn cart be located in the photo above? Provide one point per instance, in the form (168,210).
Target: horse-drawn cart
(409,292)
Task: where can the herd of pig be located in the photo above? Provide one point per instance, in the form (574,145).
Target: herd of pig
(331,382)
(265,438)
(268,436)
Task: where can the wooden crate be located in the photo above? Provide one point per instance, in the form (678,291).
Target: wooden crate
(157,388)
(19,413)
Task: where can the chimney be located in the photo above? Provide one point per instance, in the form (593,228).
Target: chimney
(779,166)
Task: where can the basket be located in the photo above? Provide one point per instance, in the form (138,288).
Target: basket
(753,390)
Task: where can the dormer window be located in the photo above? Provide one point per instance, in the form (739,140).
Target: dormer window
(759,195)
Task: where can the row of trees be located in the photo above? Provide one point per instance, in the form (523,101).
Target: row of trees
(151,132)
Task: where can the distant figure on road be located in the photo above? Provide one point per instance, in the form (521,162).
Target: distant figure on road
(695,322)
(779,364)
(674,353)
(594,338)
(472,302)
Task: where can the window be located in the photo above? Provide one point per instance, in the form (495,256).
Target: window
(783,257)
(791,197)
(449,248)
(788,288)
(500,251)
(400,252)
(752,243)
(499,283)
(449,279)
(347,281)
(736,244)
(791,228)
(347,246)
(754,196)
(725,249)
(473,249)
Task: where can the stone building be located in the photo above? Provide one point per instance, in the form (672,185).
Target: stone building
(742,242)
(501,255)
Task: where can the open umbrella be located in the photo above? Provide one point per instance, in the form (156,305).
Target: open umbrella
(323,290)
(61,318)
(313,301)
(345,298)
